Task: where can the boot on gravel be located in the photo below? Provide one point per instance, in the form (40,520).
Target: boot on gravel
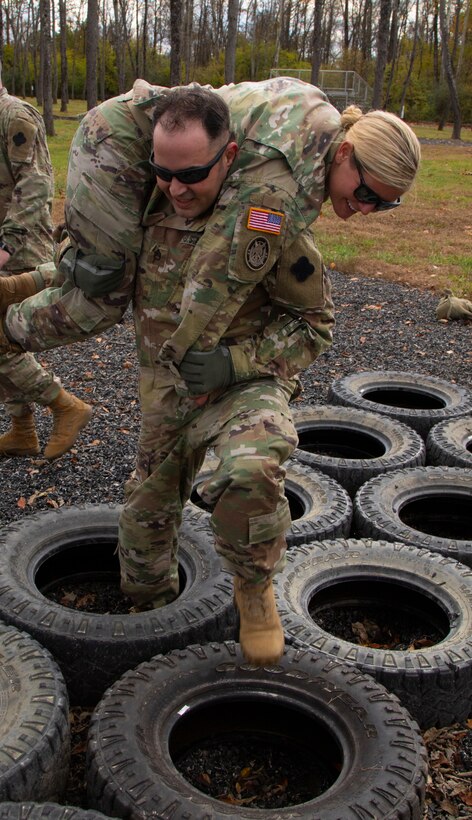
(70,416)
(15,288)
(260,631)
(21,438)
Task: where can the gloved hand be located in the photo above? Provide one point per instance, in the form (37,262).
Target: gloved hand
(94,274)
(204,372)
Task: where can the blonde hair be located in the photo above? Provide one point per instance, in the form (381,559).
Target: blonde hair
(385,146)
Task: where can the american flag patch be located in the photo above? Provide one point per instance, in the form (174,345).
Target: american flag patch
(260,219)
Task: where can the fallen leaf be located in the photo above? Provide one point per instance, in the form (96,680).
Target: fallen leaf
(21,503)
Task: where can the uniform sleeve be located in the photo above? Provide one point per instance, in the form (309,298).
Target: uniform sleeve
(302,317)
(33,178)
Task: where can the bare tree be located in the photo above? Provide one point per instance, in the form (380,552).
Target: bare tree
(316,50)
(448,72)
(45,20)
(382,43)
(119,44)
(63,52)
(230,51)
(175,41)
(91,53)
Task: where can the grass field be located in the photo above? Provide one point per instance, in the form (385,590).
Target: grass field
(426,243)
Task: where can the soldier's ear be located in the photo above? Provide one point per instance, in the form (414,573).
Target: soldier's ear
(230,153)
(344,152)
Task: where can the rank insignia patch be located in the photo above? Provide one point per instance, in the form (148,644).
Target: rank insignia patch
(265,221)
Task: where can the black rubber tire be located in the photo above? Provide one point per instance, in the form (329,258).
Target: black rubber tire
(34,725)
(449,443)
(139,728)
(435,682)
(46,811)
(419,401)
(353,445)
(94,649)
(319,506)
(427,507)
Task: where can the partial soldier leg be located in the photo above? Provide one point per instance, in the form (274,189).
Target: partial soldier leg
(251,513)
(165,472)
(22,381)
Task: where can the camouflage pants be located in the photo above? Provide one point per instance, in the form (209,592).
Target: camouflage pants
(251,430)
(22,379)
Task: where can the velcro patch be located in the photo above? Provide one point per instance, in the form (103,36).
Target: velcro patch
(265,221)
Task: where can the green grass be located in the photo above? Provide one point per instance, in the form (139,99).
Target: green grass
(59,150)
(430,131)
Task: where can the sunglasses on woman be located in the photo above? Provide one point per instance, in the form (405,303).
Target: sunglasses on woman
(187,176)
(366,195)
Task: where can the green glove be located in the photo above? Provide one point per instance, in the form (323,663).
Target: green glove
(204,372)
(94,274)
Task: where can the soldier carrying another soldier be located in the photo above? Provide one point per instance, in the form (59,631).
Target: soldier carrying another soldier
(232,301)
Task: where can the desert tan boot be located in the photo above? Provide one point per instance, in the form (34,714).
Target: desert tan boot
(15,288)
(21,438)
(260,631)
(70,416)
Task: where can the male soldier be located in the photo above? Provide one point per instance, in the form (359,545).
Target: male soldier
(26,191)
(255,309)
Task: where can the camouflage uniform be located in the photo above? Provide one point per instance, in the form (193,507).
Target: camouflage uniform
(249,424)
(26,191)
(253,279)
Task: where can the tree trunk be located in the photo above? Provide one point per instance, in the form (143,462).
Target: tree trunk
(316,44)
(45,19)
(91,53)
(175,41)
(382,43)
(230,51)
(448,72)
(63,52)
(119,48)
(412,60)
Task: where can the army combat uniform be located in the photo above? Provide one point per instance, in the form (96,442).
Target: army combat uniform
(26,192)
(248,424)
(257,244)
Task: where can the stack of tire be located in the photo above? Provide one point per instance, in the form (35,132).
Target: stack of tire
(172,680)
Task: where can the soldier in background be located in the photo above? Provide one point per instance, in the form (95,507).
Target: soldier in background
(26,191)
(232,301)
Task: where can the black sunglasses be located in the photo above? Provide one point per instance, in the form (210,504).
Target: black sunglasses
(366,195)
(187,176)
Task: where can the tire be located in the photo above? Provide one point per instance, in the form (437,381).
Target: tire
(449,443)
(144,722)
(320,507)
(427,507)
(353,445)
(419,401)
(94,649)
(46,811)
(383,579)
(34,725)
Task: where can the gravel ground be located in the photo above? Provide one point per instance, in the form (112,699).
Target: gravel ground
(380,326)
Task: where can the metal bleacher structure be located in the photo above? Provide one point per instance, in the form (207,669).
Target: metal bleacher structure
(341,87)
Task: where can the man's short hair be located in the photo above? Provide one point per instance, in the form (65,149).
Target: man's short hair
(174,108)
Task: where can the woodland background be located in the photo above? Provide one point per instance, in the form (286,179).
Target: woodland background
(415,54)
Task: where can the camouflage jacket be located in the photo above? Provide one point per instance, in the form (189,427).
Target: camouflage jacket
(269,198)
(26,184)
(275,328)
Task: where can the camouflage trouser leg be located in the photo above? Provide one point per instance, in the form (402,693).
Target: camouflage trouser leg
(252,432)
(165,473)
(22,381)
(251,513)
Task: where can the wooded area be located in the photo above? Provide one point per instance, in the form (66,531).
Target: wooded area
(415,54)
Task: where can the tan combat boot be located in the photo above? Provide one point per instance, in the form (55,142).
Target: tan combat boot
(15,288)
(260,631)
(21,439)
(70,416)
